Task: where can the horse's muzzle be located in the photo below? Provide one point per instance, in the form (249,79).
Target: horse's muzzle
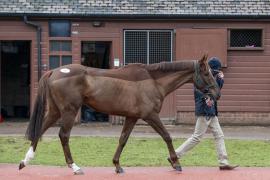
(218,96)
(214,95)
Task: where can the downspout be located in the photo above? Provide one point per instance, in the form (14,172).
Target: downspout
(38,27)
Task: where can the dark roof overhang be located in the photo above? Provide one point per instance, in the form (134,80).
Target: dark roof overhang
(140,16)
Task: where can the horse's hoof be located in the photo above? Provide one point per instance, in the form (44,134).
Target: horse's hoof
(79,172)
(119,170)
(170,161)
(178,168)
(21,165)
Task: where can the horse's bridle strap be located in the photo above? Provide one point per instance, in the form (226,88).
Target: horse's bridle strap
(198,81)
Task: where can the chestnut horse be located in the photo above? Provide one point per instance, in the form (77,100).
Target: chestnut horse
(135,91)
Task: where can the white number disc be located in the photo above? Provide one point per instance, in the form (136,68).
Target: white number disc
(65,70)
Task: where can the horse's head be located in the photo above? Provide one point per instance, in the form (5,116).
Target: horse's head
(204,80)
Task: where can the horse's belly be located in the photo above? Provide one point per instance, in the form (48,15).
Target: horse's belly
(115,110)
(120,97)
(117,103)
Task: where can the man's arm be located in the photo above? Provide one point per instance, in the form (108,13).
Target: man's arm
(220,79)
(203,97)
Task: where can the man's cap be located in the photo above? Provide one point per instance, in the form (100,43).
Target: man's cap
(214,63)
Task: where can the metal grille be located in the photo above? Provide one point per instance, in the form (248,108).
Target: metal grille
(159,47)
(148,46)
(246,38)
(135,47)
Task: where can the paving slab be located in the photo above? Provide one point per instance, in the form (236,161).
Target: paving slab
(108,130)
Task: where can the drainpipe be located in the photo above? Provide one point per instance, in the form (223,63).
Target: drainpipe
(38,27)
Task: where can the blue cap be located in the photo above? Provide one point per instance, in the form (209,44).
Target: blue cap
(214,63)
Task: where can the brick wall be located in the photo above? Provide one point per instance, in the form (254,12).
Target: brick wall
(225,118)
(230,118)
(119,120)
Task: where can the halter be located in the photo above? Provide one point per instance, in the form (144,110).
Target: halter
(197,79)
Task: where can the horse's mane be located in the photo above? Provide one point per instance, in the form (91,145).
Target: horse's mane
(170,66)
(139,72)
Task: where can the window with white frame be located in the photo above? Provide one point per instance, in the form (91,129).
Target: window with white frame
(147,46)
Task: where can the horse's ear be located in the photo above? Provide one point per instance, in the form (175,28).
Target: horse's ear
(204,58)
(203,62)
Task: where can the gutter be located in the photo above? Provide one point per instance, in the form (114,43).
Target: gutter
(38,27)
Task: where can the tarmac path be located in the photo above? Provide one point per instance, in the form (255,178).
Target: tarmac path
(11,172)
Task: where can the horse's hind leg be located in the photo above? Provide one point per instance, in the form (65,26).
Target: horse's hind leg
(127,128)
(50,118)
(156,124)
(64,134)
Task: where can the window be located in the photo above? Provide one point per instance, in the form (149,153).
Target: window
(245,39)
(95,54)
(59,28)
(136,47)
(54,62)
(66,60)
(60,46)
(147,46)
(60,53)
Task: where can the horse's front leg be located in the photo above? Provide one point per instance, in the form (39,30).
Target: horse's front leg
(64,134)
(156,124)
(127,128)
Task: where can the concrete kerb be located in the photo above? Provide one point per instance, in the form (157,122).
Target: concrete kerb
(108,130)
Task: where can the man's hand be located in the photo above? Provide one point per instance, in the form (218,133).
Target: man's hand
(220,75)
(209,102)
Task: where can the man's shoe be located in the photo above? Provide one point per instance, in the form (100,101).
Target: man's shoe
(228,167)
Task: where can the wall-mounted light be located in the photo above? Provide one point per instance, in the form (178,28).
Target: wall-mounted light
(96,24)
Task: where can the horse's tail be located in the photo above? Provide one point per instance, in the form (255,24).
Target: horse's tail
(33,132)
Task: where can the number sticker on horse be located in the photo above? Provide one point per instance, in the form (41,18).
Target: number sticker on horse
(65,70)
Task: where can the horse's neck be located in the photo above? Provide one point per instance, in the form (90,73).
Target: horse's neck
(172,82)
(171,76)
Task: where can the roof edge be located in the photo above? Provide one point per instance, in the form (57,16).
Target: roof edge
(138,16)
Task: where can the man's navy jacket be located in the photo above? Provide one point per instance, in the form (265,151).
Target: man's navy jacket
(201,108)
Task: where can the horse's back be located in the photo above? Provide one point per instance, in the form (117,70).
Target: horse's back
(132,72)
(67,71)
(67,79)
